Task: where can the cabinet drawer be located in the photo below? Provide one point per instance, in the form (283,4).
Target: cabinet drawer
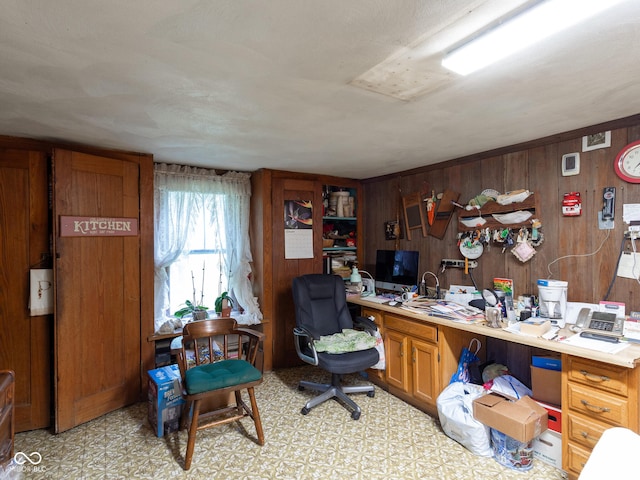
(576,457)
(584,431)
(599,405)
(611,378)
(415,329)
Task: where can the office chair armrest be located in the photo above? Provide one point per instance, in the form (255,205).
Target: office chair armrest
(366,324)
(301,335)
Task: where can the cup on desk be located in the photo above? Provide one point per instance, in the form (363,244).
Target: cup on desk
(493,315)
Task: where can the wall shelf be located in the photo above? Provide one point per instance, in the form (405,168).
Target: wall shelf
(489,208)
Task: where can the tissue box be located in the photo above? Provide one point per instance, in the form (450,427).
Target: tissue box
(165,399)
(522,419)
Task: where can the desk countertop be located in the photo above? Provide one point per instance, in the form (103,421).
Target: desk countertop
(629,357)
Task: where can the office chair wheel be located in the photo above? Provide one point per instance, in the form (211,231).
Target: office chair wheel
(371,394)
(300,388)
(355,415)
(305,410)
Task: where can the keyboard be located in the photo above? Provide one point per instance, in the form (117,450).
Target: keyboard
(376,299)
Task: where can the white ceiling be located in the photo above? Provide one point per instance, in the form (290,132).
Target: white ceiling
(240,84)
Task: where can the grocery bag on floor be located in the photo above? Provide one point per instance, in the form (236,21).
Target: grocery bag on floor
(455,410)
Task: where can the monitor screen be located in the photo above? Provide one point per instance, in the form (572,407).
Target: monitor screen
(396,269)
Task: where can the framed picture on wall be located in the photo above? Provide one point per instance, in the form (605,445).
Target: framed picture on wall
(392,230)
(596,140)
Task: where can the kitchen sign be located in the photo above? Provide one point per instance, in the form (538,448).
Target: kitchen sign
(98,227)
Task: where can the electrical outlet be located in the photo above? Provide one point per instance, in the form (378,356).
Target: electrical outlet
(453,263)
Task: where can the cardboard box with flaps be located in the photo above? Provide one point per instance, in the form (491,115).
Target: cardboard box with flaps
(522,419)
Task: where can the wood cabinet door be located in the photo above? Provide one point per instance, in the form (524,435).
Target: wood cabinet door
(97,278)
(397,352)
(25,341)
(424,358)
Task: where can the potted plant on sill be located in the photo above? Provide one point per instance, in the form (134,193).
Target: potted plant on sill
(198,312)
(223,305)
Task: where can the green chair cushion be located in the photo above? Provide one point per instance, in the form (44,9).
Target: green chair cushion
(225,373)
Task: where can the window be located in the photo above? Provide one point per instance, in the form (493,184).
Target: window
(201,221)
(200,273)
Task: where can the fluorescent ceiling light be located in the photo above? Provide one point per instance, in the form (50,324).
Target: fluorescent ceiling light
(534,24)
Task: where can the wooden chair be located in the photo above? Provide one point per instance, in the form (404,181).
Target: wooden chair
(218,358)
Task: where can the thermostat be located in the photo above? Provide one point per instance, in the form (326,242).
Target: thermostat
(570,164)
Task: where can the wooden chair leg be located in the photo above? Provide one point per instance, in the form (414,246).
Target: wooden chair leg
(193,430)
(238,395)
(185,415)
(256,415)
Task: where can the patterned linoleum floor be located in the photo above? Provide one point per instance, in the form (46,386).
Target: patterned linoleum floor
(392,440)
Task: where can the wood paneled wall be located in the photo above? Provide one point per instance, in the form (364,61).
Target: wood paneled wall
(572,242)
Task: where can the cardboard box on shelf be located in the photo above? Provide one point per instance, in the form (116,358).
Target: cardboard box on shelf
(546,385)
(521,419)
(165,399)
(555,416)
(550,362)
(548,448)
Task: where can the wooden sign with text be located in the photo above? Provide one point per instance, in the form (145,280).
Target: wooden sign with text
(98,227)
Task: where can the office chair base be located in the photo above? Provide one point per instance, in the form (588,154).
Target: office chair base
(335,390)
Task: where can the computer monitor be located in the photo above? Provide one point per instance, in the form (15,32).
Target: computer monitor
(396,269)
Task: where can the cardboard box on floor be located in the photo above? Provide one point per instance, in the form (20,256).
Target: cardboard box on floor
(521,419)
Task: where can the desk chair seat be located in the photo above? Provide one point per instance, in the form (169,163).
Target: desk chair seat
(232,370)
(321,310)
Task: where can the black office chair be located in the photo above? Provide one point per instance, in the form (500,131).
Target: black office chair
(321,309)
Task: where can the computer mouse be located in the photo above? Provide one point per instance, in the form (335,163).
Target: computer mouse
(392,303)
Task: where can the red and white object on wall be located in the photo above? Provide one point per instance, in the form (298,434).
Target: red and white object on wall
(571,204)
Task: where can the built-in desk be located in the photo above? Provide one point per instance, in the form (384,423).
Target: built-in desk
(599,390)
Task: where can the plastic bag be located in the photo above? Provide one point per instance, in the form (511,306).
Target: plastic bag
(381,365)
(468,359)
(455,411)
(509,386)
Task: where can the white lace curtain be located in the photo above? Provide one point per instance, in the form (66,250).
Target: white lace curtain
(176,189)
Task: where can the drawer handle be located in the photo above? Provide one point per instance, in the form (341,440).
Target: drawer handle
(593,377)
(585,435)
(413,354)
(595,407)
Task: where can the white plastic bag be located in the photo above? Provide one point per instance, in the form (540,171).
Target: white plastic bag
(455,410)
(381,365)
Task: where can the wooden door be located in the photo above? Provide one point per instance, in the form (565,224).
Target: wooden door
(25,341)
(285,270)
(97,328)
(424,357)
